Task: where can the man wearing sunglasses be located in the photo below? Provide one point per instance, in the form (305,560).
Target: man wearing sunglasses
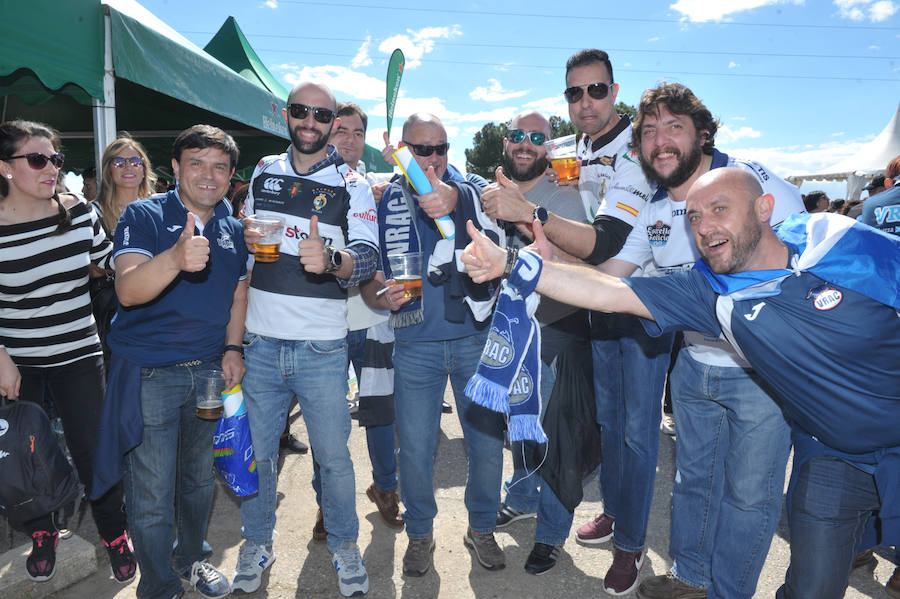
(442,332)
(297,328)
(521,184)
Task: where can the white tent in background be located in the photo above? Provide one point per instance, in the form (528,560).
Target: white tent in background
(868,162)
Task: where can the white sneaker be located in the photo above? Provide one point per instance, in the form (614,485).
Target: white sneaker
(252,560)
(351,570)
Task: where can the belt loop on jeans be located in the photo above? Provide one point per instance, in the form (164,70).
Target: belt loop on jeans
(190,363)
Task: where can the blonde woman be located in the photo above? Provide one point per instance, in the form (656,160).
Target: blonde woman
(125,177)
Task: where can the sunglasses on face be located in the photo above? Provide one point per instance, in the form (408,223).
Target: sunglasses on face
(119,162)
(517,136)
(301,111)
(425,150)
(597,91)
(37,161)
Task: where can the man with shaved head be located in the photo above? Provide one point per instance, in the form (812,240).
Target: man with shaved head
(524,192)
(730,431)
(787,303)
(297,328)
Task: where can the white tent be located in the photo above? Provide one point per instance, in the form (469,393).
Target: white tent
(870,161)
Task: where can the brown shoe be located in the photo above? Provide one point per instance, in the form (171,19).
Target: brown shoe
(388,504)
(319,532)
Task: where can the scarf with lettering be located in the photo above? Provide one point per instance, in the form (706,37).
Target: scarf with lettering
(507,379)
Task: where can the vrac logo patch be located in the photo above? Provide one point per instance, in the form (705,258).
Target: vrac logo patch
(825,298)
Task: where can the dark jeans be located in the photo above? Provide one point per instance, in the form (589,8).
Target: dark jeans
(77,390)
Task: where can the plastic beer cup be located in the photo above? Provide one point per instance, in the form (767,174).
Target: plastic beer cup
(561,153)
(210,384)
(271,229)
(406,269)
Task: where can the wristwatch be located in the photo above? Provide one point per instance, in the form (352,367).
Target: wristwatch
(335,259)
(540,213)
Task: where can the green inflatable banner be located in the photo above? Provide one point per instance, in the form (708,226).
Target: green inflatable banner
(392,82)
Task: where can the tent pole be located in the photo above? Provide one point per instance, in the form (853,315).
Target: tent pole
(104,111)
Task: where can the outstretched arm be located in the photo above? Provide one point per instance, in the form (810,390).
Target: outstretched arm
(572,284)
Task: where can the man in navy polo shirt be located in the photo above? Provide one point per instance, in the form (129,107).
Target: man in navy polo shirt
(181,265)
(791,306)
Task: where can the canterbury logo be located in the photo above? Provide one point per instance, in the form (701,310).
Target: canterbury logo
(755,312)
(272,184)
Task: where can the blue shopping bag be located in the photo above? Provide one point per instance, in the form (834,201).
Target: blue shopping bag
(232,447)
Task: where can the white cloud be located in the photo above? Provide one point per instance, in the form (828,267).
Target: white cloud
(727,135)
(342,81)
(406,106)
(494,92)
(838,134)
(497,115)
(732,64)
(700,11)
(362,55)
(655,38)
(271,3)
(800,159)
(552,106)
(738,118)
(416,44)
(859,10)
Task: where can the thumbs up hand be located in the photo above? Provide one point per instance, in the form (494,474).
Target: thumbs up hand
(503,200)
(441,201)
(388,152)
(311,250)
(191,252)
(484,259)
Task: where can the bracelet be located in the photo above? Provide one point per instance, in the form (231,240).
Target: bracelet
(236,348)
(512,255)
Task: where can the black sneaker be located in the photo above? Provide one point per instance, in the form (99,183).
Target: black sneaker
(121,559)
(41,562)
(541,559)
(507,515)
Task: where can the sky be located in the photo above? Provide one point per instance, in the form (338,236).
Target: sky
(797,84)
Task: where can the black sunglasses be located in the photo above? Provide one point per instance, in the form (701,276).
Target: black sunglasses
(597,91)
(517,136)
(120,162)
(425,150)
(321,115)
(37,161)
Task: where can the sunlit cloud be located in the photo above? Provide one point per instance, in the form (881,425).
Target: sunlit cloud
(416,44)
(362,55)
(494,92)
(860,10)
(701,11)
(342,81)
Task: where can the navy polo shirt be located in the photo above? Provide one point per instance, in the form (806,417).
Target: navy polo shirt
(187,320)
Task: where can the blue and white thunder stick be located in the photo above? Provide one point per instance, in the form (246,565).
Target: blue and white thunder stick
(419,181)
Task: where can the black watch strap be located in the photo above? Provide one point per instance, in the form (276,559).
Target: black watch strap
(238,348)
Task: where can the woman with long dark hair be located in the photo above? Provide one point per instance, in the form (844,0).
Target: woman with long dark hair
(47,243)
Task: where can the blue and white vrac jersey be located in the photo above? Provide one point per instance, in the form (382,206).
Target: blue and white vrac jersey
(285,301)
(611,181)
(663,238)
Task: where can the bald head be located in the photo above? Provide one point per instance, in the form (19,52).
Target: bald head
(422,119)
(733,180)
(531,120)
(523,160)
(307,89)
(425,133)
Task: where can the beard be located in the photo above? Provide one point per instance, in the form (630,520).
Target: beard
(310,147)
(537,168)
(743,246)
(686,167)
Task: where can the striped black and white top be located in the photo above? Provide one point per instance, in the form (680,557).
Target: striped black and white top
(45,305)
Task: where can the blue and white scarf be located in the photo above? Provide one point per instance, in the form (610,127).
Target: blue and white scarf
(507,379)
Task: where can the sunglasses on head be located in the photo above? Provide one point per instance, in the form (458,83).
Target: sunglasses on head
(597,91)
(120,162)
(37,161)
(301,111)
(517,136)
(425,150)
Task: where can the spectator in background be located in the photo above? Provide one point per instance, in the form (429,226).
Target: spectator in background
(816,201)
(836,206)
(89,183)
(883,211)
(875,186)
(126,177)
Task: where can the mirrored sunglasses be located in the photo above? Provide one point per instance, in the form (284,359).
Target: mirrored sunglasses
(517,136)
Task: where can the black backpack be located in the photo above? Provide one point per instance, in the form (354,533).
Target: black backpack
(36,477)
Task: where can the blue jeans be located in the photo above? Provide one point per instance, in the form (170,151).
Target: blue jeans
(529,493)
(169,479)
(629,380)
(316,372)
(831,504)
(421,369)
(380,440)
(733,445)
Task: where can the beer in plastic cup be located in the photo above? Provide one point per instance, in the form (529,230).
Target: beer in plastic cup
(406,269)
(209,384)
(271,229)
(561,153)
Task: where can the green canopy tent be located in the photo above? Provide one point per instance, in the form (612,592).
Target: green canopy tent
(90,68)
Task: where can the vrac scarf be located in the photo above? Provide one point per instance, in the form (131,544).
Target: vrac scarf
(507,379)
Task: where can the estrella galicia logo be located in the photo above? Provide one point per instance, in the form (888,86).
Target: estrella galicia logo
(272,185)
(4,426)
(225,241)
(521,387)
(658,233)
(825,297)
(498,349)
